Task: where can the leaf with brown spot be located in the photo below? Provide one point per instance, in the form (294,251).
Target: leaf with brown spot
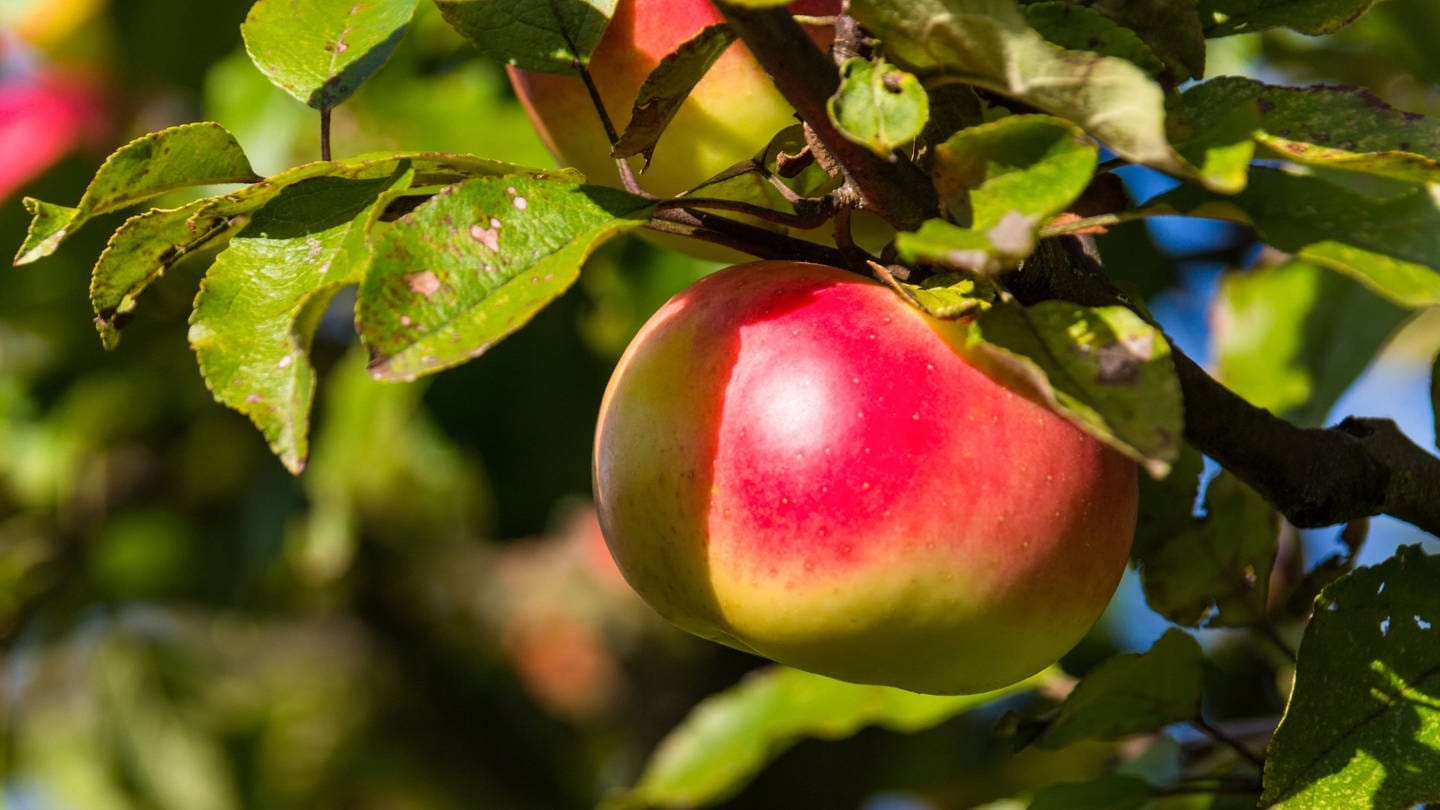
(1223,123)
(437,296)
(178,157)
(1103,368)
(667,87)
(259,305)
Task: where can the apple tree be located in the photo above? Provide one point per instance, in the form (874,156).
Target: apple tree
(994,164)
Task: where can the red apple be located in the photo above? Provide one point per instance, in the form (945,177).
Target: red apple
(729,117)
(793,461)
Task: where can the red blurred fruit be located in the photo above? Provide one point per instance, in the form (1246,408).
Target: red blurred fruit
(44,117)
(729,117)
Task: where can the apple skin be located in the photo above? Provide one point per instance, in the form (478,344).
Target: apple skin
(729,117)
(793,461)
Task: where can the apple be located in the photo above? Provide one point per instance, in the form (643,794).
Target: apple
(730,116)
(43,117)
(793,461)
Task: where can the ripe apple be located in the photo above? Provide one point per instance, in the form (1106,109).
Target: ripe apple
(729,117)
(793,461)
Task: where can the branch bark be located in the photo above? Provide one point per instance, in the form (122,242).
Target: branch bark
(743,237)
(1313,476)
(896,191)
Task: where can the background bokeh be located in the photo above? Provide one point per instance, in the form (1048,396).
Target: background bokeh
(427,617)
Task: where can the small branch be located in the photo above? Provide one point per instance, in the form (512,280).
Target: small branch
(1267,631)
(325,132)
(743,237)
(1210,787)
(814,215)
(1239,747)
(1112,164)
(1101,221)
(897,191)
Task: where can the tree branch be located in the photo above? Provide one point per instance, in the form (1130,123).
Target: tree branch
(744,237)
(896,191)
(1313,476)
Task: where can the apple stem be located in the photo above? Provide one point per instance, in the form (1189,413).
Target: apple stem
(325,132)
(843,238)
(628,178)
(597,102)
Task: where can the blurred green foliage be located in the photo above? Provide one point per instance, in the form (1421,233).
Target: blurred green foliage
(426,618)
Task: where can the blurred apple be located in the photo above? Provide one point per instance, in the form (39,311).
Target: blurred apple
(43,117)
(729,117)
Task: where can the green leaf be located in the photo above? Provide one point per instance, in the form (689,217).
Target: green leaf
(989,44)
(552,36)
(947,295)
(1216,571)
(139,253)
(1167,504)
(1302,596)
(431,168)
(667,87)
(971,251)
(260,303)
(1292,338)
(143,248)
(476,262)
(321,51)
(1033,165)
(1390,245)
(1103,368)
(731,736)
(1004,180)
(1114,792)
(1225,17)
(1134,693)
(878,105)
(178,157)
(1171,28)
(1341,128)
(1081,28)
(1363,725)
